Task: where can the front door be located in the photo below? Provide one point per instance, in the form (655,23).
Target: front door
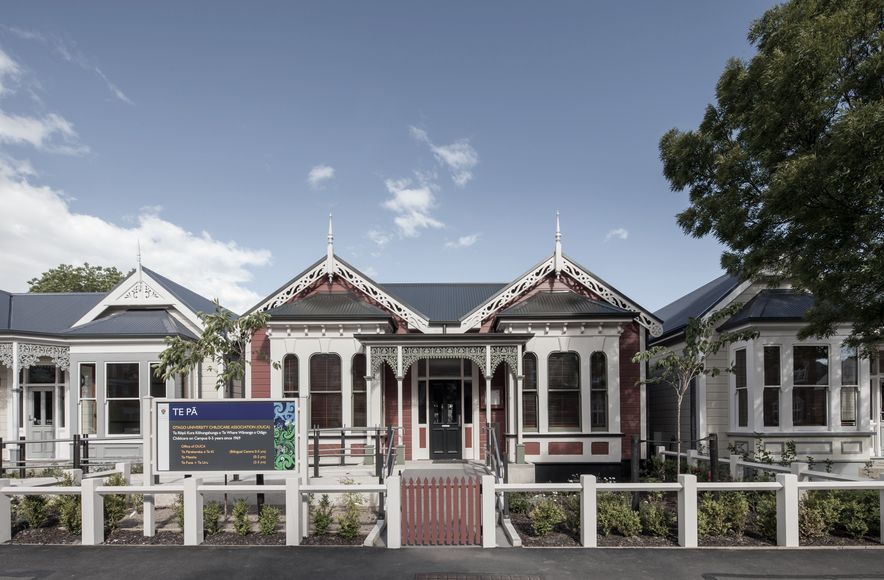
(445,420)
(41,421)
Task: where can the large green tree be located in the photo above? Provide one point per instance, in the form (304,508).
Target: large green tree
(787,167)
(85,278)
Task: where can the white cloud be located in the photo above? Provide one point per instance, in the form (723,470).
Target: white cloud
(380,238)
(463,241)
(459,157)
(319,175)
(69,52)
(39,230)
(412,204)
(51,133)
(9,72)
(619,233)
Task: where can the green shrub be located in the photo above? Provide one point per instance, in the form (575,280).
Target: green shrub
(546,515)
(520,502)
(268,520)
(766,514)
(654,518)
(854,518)
(178,508)
(70,514)
(727,515)
(212,517)
(33,510)
(811,522)
(616,513)
(348,521)
(241,522)
(322,516)
(115,505)
(570,503)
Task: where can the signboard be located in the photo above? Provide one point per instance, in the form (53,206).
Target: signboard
(238,436)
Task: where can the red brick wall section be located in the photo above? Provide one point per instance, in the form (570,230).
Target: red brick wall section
(630,390)
(532,448)
(260,366)
(390,406)
(565,448)
(599,448)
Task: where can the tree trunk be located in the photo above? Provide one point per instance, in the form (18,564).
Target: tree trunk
(678,434)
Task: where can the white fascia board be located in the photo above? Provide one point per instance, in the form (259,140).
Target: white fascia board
(140,289)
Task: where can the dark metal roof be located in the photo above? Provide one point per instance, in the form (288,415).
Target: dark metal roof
(563,305)
(443,302)
(328,306)
(47,313)
(771,305)
(131,324)
(676,314)
(188,297)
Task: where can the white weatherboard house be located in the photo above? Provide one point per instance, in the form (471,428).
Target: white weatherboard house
(80,362)
(816,393)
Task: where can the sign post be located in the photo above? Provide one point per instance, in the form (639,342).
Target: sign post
(227,436)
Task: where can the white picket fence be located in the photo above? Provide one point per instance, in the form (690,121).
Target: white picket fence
(787,488)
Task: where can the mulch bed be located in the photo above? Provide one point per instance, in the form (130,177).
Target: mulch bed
(234,539)
(45,536)
(747,540)
(332,540)
(137,538)
(836,541)
(618,541)
(560,537)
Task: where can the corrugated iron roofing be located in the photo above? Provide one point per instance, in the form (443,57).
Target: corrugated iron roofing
(51,312)
(188,297)
(697,303)
(131,323)
(562,304)
(335,305)
(443,302)
(771,305)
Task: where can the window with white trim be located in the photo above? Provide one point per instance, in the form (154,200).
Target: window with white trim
(529,391)
(742,388)
(360,400)
(122,398)
(810,385)
(563,397)
(772,379)
(290,376)
(598,391)
(325,391)
(849,386)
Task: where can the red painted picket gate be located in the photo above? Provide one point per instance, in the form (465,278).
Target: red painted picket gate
(442,512)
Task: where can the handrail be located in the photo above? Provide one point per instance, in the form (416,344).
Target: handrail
(389,459)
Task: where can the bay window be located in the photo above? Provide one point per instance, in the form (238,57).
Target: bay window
(772,379)
(529,392)
(122,398)
(742,388)
(360,401)
(598,391)
(849,386)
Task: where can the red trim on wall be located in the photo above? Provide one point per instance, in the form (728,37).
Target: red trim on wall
(422,437)
(630,391)
(599,448)
(532,448)
(565,448)
(468,435)
(260,365)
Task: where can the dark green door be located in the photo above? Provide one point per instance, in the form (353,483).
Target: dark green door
(445,420)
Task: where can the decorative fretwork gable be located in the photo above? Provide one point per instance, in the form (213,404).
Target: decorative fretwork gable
(558,265)
(333,267)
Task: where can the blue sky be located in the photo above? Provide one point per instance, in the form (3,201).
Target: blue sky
(443,136)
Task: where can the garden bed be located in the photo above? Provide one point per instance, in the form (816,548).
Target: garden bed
(333,540)
(45,536)
(131,537)
(234,539)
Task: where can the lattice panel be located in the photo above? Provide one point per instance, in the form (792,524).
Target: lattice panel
(611,297)
(296,287)
(381,297)
(141,291)
(6,355)
(30,354)
(381,355)
(412,354)
(524,284)
(505,354)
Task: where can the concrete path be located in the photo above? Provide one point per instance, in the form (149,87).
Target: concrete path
(114,562)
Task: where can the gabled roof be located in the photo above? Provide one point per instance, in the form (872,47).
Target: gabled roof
(443,302)
(553,304)
(328,306)
(188,297)
(132,324)
(48,313)
(675,315)
(771,305)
